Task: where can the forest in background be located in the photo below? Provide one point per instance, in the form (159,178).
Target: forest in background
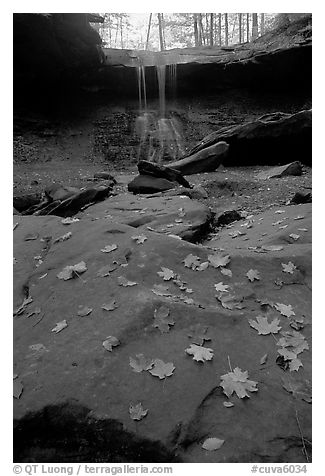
(161,31)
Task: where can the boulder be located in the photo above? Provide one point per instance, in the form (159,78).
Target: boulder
(57,191)
(23,202)
(269,140)
(301,197)
(205,160)
(105,176)
(173,175)
(150,184)
(71,205)
(294,168)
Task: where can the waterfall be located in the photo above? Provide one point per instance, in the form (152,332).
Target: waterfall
(159,135)
(161,75)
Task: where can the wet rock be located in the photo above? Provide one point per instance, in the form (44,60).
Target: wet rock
(105,176)
(204,160)
(269,140)
(155,170)
(105,384)
(177,215)
(150,184)
(23,202)
(228,217)
(58,191)
(294,168)
(301,197)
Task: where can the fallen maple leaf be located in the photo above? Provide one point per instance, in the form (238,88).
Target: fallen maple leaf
(295,364)
(218,261)
(85,311)
(212,444)
(198,334)
(162,320)
(122,281)
(137,412)
(18,388)
(288,267)
(226,272)
(228,404)
(285,310)
(106,270)
(162,369)
(229,301)
(69,220)
(70,272)
(140,363)
(264,327)
(110,342)
(272,247)
(60,326)
(200,354)
(63,238)
(202,266)
(223,288)
(294,236)
(253,274)
(166,274)
(161,290)
(139,239)
(110,306)
(191,261)
(293,340)
(263,359)
(109,248)
(299,389)
(237,381)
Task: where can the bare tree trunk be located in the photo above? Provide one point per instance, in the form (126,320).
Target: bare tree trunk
(196,30)
(226,29)
(148,33)
(161,37)
(200,29)
(211,28)
(254,27)
(219,28)
(247,26)
(262,23)
(240,27)
(121,31)
(116,33)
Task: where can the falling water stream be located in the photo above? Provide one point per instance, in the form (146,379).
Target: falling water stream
(158,131)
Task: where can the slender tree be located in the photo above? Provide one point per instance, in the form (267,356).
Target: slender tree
(196,30)
(262,23)
(247,26)
(226,29)
(254,27)
(148,32)
(219,29)
(211,28)
(161,36)
(240,27)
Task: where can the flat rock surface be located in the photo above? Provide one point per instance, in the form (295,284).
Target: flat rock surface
(178,215)
(188,406)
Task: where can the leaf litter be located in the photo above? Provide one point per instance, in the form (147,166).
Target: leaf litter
(253,275)
(122,281)
(85,311)
(60,326)
(199,334)
(110,306)
(162,319)
(237,382)
(199,353)
(166,273)
(288,267)
(140,363)
(223,288)
(109,248)
(218,261)
(62,238)
(110,342)
(212,444)
(162,369)
(70,272)
(139,239)
(264,327)
(137,412)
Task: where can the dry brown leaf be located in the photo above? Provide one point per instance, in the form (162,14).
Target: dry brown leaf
(111,342)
